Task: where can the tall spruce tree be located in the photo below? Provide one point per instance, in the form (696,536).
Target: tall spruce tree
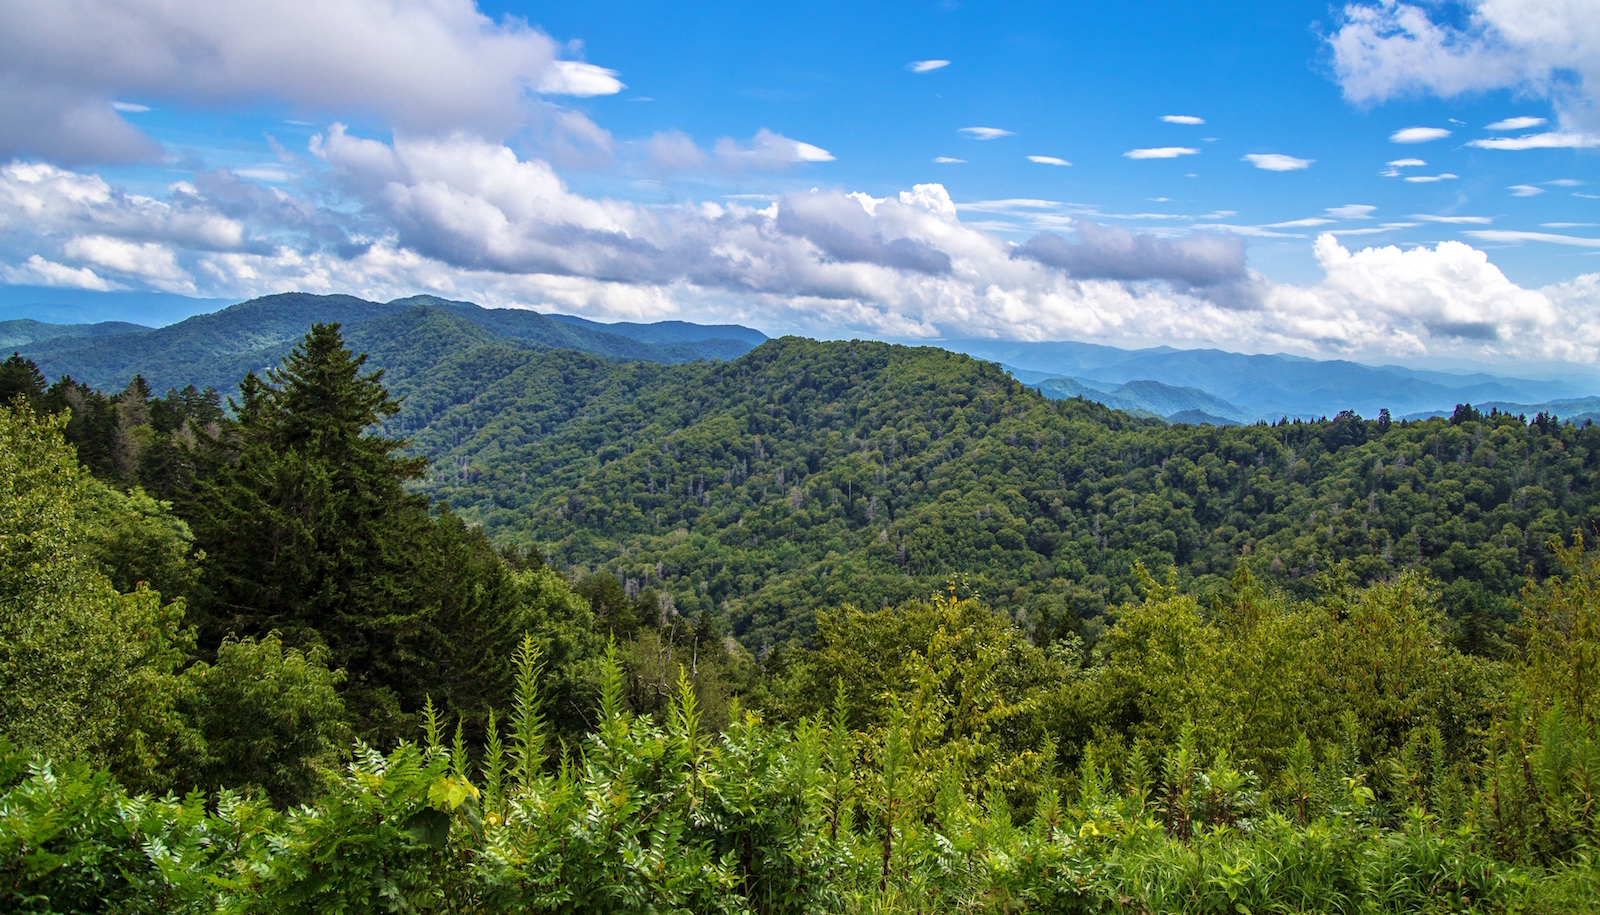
(310,532)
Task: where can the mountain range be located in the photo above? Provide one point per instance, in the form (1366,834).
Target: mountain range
(1246,388)
(217,348)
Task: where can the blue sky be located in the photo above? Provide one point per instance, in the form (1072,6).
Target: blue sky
(1232,178)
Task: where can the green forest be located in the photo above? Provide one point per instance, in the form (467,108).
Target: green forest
(459,626)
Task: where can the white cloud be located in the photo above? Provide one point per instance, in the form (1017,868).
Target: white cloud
(949,160)
(1161,152)
(1048,160)
(1431,179)
(927,66)
(468,218)
(130,107)
(150,261)
(1352,211)
(1498,235)
(573,77)
(1406,163)
(1566,182)
(1188,119)
(1568,225)
(1553,140)
(418,65)
(1522,123)
(1276,162)
(1418,134)
(1525,190)
(674,151)
(1543,48)
(1455,220)
(1300,223)
(986,133)
(36,271)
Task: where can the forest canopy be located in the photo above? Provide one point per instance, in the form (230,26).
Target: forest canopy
(1025,656)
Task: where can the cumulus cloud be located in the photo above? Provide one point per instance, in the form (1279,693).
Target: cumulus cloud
(1112,252)
(467,218)
(1048,160)
(1418,134)
(36,271)
(1161,152)
(1276,162)
(1188,119)
(420,65)
(927,66)
(1545,48)
(986,133)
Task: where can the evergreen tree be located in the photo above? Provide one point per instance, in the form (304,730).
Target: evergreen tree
(20,377)
(311,532)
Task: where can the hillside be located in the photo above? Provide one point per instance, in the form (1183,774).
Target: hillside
(805,475)
(25,331)
(217,349)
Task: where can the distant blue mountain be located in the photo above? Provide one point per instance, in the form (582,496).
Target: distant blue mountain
(51,305)
(1268,386)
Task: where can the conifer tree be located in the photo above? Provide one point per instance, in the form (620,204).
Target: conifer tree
(311,532)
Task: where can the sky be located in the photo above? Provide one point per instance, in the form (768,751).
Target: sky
(1382,181)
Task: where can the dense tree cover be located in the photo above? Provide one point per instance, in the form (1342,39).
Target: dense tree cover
(925,803)
(1232,738)
(805,475)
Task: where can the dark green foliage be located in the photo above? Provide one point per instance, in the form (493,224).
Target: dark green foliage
(807,475)
(20,378)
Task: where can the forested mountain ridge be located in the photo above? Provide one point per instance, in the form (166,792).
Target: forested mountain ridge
(218,349)
(805,475)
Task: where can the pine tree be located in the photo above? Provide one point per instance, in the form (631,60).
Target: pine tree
(20,377)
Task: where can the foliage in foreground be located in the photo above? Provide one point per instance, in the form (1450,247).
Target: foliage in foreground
(662,817)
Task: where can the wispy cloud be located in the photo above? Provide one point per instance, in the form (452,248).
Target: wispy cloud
(1462,220)
(1306,223)
(1566,182)
(1161,152)
(1188,119)
(130,107)
(1431,179)
(1048,160)
(1525,190)
(1406,163)
(1374,230)
(1515,124)
(1276,162)
(1568,225)
(1504,235)
(1418,134)
(986,133)
(1351,211)
(927,66)
(949,160)
(1551,140)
